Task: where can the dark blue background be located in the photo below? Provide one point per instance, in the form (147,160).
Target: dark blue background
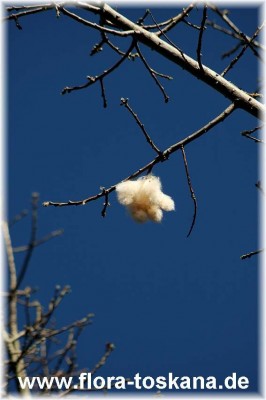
(169,303)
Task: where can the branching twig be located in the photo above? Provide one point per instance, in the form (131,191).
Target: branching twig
(124,102)
(160,158)
(152,73)
(28,12)
(94,25)
(233,34)
(92,80)
(202,27)
(192,193)
(244,48)
(247,134)
(175,20)
(226,19)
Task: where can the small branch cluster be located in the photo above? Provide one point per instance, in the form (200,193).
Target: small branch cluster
(37,346)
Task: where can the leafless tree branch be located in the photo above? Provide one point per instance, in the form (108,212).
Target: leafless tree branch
(165,155)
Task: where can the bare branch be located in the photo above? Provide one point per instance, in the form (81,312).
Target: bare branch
(225,18)
(124,102)
(244,48)
(252,253)
(192,193)
(175,20)
(94,25)
(43,240)
(210,77)
(232,51)
(152,73)
(160,158)
(233,34)
(18,217)
(106,203)
(35,198)
(103,93)
(202,27)
(92,80)
(28,12)
(12,340)
(109,348)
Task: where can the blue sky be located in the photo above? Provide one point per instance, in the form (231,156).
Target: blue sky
(169,303)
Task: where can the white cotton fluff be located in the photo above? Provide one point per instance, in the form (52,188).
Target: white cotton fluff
(144,199)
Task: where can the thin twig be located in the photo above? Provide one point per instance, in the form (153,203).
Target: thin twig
(232,51)
(233,34)
(28,12)
(18,217)
(166,37)
(92,80)
(253,138)
(248,134)
(191,25)
(43,240)
(124,102)
(160,158)
(106,203)
(202,27)
(152,73)
(24,267)
(225,18)
(94,25)
(109,348)
(192,193)
(252,253)
(244,48)
(103,94)
(142,19)
(175,20)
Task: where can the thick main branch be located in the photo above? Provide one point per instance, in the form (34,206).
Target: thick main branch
(207,75)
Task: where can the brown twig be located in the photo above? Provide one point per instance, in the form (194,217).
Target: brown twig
(175,20)
(18,217)
(24,267)
(226,19)
(192,193)
(233,34)
(92,80)
(252,253)
(152,73)
(124,102)
(28,12)
(232,51)
(106,202)
(94,25)
(160,158)
(103,94)
(244,48)
(202,27)
(36,243)
(109,348)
